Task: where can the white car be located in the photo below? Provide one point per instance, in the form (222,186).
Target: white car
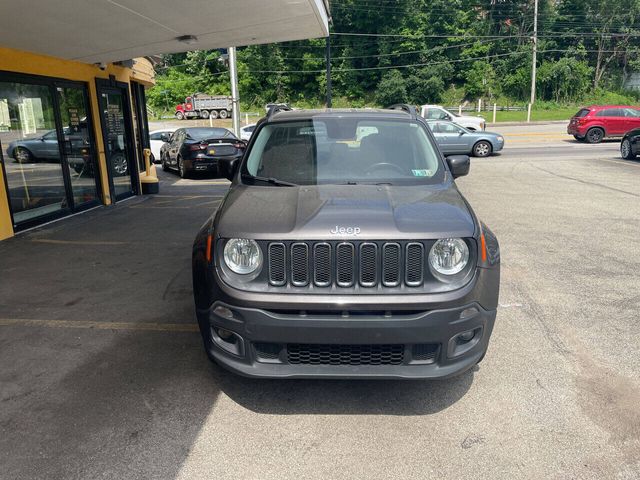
(246,131)
(436,112)
(155,139)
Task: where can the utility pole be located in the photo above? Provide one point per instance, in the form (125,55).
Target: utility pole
(328,72)
(535,52)
(235,97)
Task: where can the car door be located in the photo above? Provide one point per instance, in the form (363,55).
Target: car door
(49,146)
(632,118)
(174,146)
(614,121)
(452,138)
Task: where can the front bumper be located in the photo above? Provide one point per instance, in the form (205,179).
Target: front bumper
(407,331)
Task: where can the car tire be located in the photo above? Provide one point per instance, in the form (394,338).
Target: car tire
(204,114)
(214,114)
(594,135)
(180,115)
(164,164)
(626,150)
(182,171)
(482,149)
(223,114)
(580,139)
(119,164)
(22,155)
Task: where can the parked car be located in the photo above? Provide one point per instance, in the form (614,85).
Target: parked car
(156,139)
(363,261)
(246,131)
(598,122)
(630,145)
(454,139)
(200,149)
(436,112)
(44,147)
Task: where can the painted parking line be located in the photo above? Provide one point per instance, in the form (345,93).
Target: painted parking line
(184,183)
(75,242)
(87,324)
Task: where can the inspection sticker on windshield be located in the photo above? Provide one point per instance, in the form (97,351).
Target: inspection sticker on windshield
(420,173)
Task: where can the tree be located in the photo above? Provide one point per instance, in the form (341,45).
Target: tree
(391,89)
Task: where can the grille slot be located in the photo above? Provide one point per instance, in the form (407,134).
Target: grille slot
(268,352)
(277,264)
(345,265)
(368,264)
(391,259)
(299,264)
(317,354)
(414,264)
(322,264)
(425,352)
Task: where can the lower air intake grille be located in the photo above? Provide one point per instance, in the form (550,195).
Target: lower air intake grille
(425,352)
(314,354)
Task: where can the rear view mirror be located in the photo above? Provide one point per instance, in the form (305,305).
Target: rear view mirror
(228,167)
(459,165)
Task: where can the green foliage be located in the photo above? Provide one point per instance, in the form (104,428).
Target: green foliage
(430,51)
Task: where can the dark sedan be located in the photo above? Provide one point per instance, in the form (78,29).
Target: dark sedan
(200,149)
(630,145)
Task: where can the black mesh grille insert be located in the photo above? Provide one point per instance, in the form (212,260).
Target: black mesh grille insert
(391,264)
(414,264)
(268,351)
(299,264)
(345,264)
(368,264)
(322,264)
(315,354)
(425,352)
(277,264)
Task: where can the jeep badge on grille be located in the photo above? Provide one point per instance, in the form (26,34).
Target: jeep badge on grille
(338,230)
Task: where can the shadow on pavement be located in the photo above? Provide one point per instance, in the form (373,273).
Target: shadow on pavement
(345,397)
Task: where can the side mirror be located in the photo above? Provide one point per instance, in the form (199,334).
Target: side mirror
(459,165)
(447,117)
(462,132)
(228,167)
(165,137)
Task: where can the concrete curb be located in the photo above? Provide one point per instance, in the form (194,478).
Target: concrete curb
(524,124)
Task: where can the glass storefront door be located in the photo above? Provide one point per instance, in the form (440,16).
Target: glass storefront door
(31,153)
(116,127)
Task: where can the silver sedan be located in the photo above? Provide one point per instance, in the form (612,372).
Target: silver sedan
(456,140)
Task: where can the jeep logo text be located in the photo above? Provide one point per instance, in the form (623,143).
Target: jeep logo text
(338,230)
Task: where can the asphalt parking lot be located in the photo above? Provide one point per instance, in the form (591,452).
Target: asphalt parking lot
(102,374)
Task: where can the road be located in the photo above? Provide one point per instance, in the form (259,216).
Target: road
(556,396)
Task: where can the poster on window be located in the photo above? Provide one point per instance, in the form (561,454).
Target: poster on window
(5,119)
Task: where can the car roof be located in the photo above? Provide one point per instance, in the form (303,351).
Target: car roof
(171,129)
(285,115)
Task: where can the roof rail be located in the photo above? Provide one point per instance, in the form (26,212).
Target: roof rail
(405,107)
(280,107)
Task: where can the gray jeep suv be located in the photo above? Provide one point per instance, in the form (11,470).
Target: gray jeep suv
(343,249)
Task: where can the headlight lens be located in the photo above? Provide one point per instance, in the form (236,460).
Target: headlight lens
(242,255)
(449,256)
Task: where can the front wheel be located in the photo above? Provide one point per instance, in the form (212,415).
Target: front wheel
(22,155)
(182,170)
(165,168)
(482,149)
(223,114)
(626,151)
(595,135)
(180,115)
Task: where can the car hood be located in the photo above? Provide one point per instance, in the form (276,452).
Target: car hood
(336,212)
(469,118)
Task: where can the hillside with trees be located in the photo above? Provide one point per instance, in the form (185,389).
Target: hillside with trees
(419,51)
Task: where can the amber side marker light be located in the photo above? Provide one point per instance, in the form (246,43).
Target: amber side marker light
(483,247)
(209,241)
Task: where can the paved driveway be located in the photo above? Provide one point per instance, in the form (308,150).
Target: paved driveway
(102,374)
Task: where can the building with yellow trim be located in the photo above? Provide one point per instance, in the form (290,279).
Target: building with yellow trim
(73,121)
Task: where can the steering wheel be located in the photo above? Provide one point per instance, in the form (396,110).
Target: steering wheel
(381,165)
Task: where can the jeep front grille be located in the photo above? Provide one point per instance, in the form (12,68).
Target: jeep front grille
(346,264)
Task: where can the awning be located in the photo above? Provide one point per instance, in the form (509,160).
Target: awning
(95,31)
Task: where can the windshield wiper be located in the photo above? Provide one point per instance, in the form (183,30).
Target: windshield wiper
(271,180)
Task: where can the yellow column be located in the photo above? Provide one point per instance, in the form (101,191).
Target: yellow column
(102,158)
(6,227)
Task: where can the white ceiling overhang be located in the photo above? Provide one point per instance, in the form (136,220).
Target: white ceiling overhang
(95,31)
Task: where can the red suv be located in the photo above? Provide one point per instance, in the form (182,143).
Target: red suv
(599,121)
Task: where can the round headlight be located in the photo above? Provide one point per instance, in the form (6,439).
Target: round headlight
(449,256)
(242,255)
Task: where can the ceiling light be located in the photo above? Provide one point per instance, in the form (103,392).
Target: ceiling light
(188,39)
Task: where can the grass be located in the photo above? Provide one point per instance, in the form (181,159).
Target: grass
(537,115)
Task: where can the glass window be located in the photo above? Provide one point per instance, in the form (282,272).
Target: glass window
(333,150)
(632,112)
(445,127)
(436,114)
(30,150)
(582,113)
(77,144)
(208,133)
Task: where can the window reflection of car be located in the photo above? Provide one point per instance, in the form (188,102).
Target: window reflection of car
(45,147)
(456,140)
(157,138)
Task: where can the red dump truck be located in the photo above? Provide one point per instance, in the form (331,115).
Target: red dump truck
(200,105)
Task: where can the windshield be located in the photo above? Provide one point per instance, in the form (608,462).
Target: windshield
(345,151)
(206,133)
